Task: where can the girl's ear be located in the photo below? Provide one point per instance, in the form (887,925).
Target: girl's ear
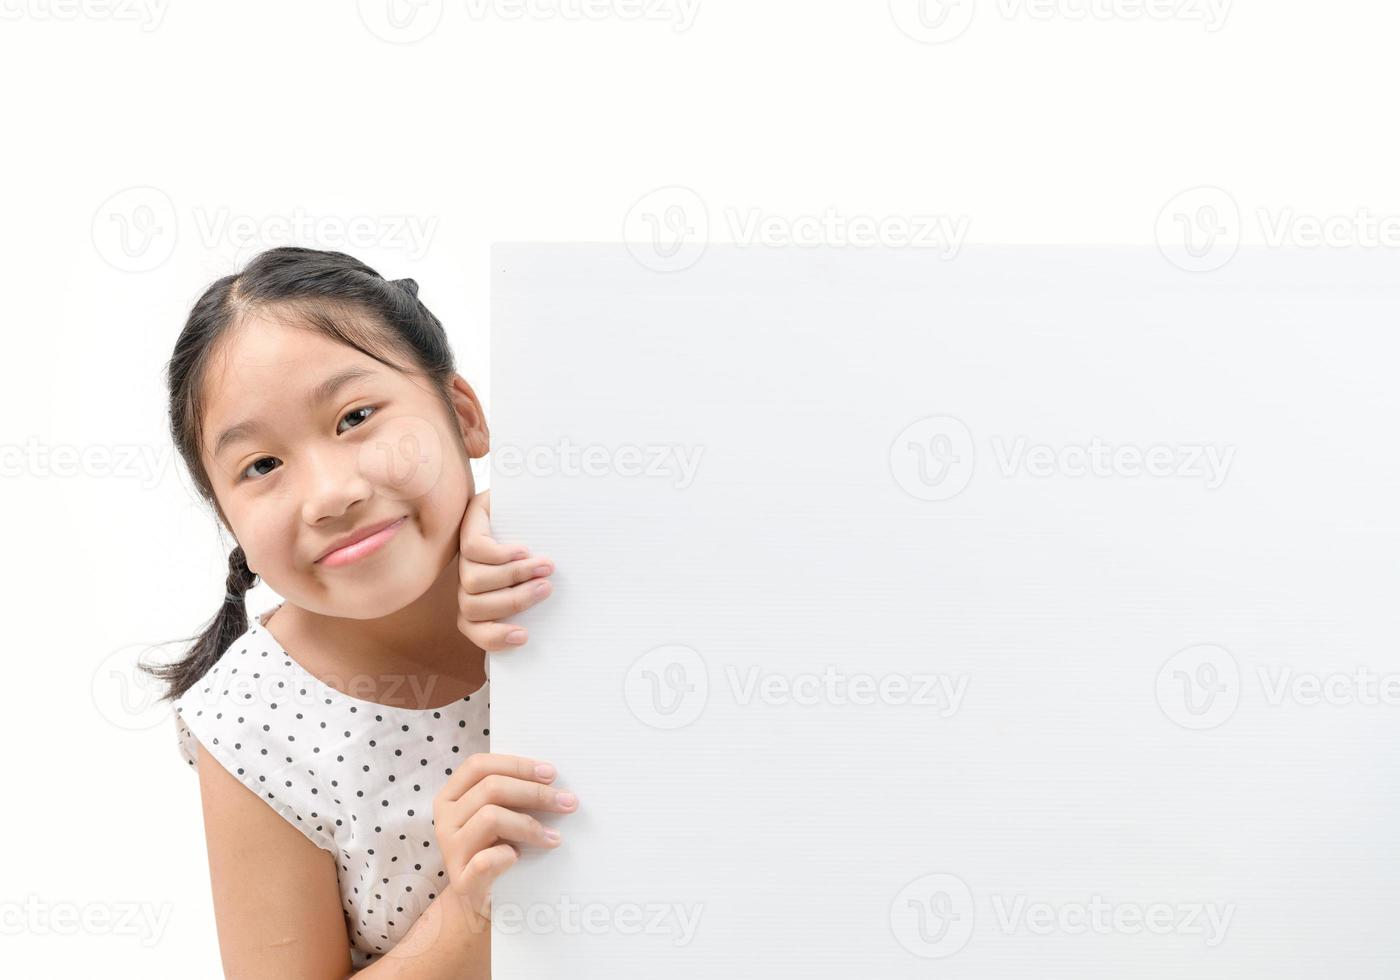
(471,420)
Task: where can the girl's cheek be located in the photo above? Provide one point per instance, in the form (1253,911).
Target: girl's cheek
(403,459)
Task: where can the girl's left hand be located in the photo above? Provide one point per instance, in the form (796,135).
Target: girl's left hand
(495,581)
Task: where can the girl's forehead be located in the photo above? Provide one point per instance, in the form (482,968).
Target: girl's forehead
(266,370)
(259,343)
(268,356)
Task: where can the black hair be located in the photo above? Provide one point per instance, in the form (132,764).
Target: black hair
(330,292)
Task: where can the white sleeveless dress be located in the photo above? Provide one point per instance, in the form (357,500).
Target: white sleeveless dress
(356,777)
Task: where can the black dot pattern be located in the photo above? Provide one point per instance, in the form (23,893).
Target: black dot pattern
(356,777)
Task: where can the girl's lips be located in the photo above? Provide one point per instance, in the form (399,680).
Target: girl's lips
(363,547)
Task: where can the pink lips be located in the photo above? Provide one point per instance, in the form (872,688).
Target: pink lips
(363,547)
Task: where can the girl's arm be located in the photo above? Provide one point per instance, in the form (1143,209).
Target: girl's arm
(276,898)
(447,942)
(277,901)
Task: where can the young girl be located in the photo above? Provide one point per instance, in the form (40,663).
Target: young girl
(354,816)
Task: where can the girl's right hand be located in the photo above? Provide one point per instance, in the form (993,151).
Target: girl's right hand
(495,581)
(478,823)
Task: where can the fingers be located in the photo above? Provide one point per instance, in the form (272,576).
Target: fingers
(475,542)
(503,603)
(493,637)
(479,765)
(478,577)
(512,793)
(480,829)
(496,581)
(479,875)
(494,823)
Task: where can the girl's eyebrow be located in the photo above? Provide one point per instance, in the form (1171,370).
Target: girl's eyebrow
(320,393)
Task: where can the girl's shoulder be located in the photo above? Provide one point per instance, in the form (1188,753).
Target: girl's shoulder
(236,712)
(243,671)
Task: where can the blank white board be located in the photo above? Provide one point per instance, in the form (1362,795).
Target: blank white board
(1026,614)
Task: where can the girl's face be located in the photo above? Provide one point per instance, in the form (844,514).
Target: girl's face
(308,442)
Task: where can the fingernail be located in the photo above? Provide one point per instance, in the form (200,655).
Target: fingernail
(518,555)
(515,636)
(544,569)
(566,799)
(542,588)
(550,834)
(544,770)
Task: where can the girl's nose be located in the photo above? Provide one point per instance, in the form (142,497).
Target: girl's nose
(334,484)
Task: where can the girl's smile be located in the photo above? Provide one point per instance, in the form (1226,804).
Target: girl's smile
(365,541)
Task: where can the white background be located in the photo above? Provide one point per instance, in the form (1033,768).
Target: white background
(1034,124)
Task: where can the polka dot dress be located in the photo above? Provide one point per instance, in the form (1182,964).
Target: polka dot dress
(356,777)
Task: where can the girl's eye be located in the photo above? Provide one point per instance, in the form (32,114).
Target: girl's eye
(355,413)
(260,459)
